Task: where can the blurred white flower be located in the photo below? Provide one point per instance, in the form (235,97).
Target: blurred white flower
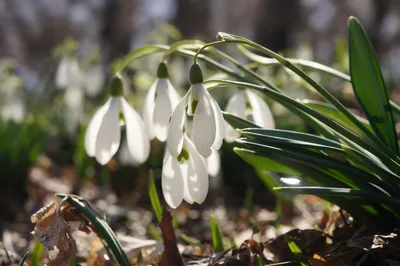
(94,80)
(68,73)
(13,110)
(103,134)
(184,177)
(73,98)
(161,100)
(208,125)
(248,105)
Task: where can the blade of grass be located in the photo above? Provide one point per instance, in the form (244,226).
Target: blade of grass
(369,86)
(36,254)
(154,199)
(298,254)
(217,237)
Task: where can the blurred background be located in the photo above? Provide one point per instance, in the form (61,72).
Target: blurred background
(43,115)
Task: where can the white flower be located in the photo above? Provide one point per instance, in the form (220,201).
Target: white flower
(103,133)
(68,73)
(248,105)
(208,125)
(184,177)
(161,100)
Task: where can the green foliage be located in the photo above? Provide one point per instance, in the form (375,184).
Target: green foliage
(36,254)
(353,159)
(217,237)
(155,201)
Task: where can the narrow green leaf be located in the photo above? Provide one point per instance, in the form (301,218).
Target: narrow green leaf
(103,229)
(237,122)
(298,254)
(36,254)
(362,195)
(369,85)
(331,112)
(217,237)
(21,263)
(154,199)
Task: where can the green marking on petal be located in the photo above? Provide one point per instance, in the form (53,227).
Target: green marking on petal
(193,105)
(183,156)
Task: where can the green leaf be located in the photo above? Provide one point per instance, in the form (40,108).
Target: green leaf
(154,199)
(237,122)
(354,194)
(298,254)
(103,229)
(36,254)
(217,237)
(331,112)
(21,263)
(369,85)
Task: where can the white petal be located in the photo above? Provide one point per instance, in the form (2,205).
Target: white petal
(162,110)
(262,115)
(220,124)
(93,128)
(125,156)
(172,182)
(236,106)
(197,176)
(173,94)
(204,124)
(186,194)
(138,141)
(109,134)
(213,163)
(175,128)
(148,109)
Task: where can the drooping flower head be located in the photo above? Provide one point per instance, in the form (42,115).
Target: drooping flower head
(208,125)
(248,105)
(103,134)
(184,177)
(68,73)
(161,100)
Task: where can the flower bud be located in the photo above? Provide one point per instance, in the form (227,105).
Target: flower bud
(195,74)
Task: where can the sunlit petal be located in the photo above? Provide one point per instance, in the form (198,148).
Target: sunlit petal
(262,115)
(235,106)
(213,163)
(172,182)
(197,176)
(109,135)
(138,140)
(186,194)
(204,124)
(175,128)
(148,109)
(162,110)
(93,128)
(173,95)
(220,125)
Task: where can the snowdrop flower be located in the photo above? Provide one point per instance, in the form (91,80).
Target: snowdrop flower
(161,100)
(102,138)
(68,73)
(208,125)
(184,177)
(213,163)
(248,105)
